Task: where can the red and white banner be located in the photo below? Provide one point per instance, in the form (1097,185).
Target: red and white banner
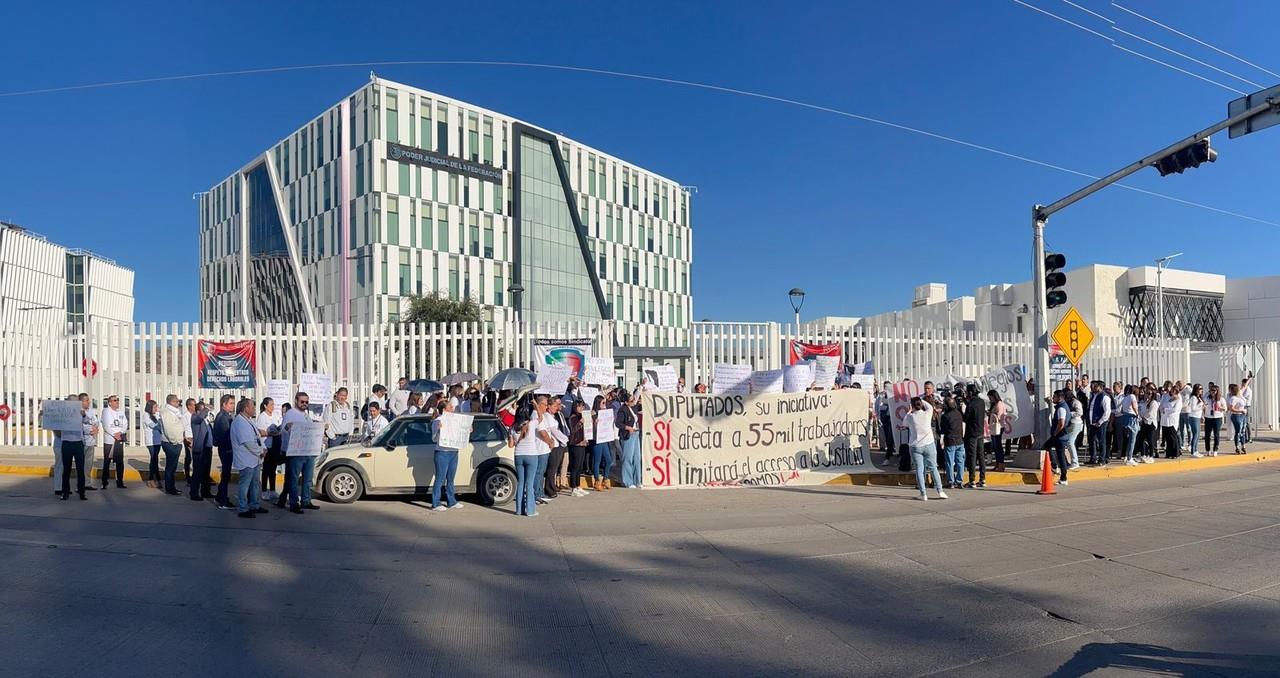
(800,351)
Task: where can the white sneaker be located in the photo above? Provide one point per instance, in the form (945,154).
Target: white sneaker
(579,492)
(923,497)
(1196,455)
(441,507)
(1073,466)
(1131,462)
(1148,460)
(1062,482)
(942,495)
(456,505)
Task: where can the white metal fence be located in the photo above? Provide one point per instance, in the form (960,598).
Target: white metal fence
(897,353)
(149,360)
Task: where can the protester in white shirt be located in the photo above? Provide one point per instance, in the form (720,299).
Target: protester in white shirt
(1246,393)
(376,422)
(339,419)
(1170,415)
(247,453)
(920,440)
(1215,412)
(174,425)
(1193,410)
(115,427)
(268,424)
(1238,410)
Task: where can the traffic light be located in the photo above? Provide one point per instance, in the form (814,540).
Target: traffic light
(1055,280)
(1187,158)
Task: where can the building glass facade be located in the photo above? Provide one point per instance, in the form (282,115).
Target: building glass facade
(396,191)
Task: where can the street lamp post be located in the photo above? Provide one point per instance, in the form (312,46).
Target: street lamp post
(516,290)
(797,302)
(1161,263)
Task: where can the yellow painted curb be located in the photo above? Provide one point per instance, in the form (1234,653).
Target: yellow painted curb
(129,474)
(1183,464)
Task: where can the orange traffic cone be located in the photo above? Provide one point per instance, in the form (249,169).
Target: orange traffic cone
(1046,475)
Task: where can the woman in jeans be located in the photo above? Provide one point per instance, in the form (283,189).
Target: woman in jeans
(1126,411)
(1075,426)
(1215,410)
(1194,409)
(531,443)
(151,438)
(601,452)
(1237,409)
(920,441)
(446,463)
(629,432)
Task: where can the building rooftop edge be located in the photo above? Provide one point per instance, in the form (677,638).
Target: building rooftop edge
(77,251)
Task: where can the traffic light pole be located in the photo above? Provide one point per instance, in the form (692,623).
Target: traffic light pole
(1040,216)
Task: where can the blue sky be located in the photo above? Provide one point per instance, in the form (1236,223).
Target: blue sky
(855,213)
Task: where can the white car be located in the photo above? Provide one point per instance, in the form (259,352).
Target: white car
(401,461)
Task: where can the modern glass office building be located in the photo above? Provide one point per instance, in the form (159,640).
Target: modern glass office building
(396,191)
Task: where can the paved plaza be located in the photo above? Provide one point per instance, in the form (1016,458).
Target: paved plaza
(1176,574)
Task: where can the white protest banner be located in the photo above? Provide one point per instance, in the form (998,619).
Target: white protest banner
(588,395)
(573,353)
(1010,383)
(766,381)
(553,378)
(318,387)
(776,439)
(61,415)
(731,379)
(606,428)
(661,378)
(797,377)
(280,391)
(599,371)
(306,438)
(455,431)
(824,370)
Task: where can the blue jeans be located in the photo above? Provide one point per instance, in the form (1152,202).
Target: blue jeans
(1073,432)
(446,468)
(1129,424)
(1193,425)
(527,482)
(540,487)
(925,458)
(601,460)
(1239,422)
(954,464)
(298,472)
(248,487)
(631,476)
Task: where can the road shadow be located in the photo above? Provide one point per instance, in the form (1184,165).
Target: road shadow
(1165,661)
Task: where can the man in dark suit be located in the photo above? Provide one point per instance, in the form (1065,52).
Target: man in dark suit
(222,439)
(201,449)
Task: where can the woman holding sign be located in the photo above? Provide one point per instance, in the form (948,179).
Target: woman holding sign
(532,443)
(446,462)
(579,439)
(602,450)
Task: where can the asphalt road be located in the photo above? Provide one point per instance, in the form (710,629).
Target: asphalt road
(1171,574)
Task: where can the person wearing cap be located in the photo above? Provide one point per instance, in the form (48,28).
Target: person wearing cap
(975,436)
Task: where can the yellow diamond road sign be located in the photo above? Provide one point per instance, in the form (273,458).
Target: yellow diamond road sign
(1073,335)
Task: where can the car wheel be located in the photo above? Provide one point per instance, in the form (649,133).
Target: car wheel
(497,487)
(343,485)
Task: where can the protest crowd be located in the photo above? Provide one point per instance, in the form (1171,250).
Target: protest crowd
(948,434)
(565,442)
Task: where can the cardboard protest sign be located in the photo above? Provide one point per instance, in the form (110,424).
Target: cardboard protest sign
(61,415)
(606,427)
(318,387)
(797,377)
(599,371)
(279,390)
(766,381)
(306,438)
(825,368)
(553,378)
(661,378)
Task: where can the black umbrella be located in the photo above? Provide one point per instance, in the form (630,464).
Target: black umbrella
(512,379)
(424,386)
(459,378)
